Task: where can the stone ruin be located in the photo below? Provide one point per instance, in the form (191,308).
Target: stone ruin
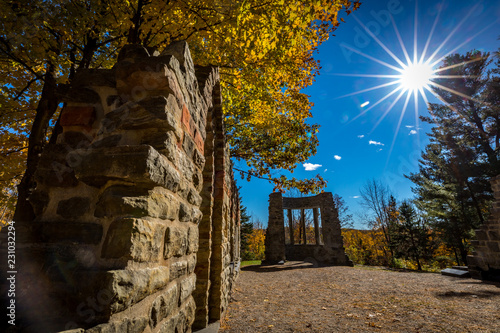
(484,263)
(327,247)
(137,211)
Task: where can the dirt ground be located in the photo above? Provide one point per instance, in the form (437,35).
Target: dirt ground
(297,297)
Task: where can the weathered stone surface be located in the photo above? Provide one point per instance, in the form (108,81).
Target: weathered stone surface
(74,207)
(193,237)
(168,326)
(164,305)
(108,141)
(137,136)
(131,286)
(136,164)
(133,238)
(137,202)
(78,115)
(150,113)
(135,325)
(72,232)
(485,260)
(177,269)
(76,140)
(53,169)
(191,263)
(187,287)
(185,213)
(176,241)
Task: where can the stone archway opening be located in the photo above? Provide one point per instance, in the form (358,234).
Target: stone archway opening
(307,227)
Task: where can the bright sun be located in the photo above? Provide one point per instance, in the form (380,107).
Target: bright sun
(416,76)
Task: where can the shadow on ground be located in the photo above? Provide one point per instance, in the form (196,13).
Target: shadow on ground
(289,265)
(463,294)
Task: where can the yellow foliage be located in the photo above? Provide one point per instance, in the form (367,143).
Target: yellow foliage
(256,243)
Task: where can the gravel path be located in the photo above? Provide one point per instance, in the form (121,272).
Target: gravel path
(298,297)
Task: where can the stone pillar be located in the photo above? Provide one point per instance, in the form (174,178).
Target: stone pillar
(290,224)
(275,235)
(303,226)
(316,226)
(484,263)
(332,235)
(118,202)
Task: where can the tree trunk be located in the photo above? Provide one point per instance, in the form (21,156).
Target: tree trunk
(46,108)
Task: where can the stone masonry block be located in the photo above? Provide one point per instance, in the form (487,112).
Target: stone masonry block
(178,269)
(137,202)
(78,116)
(164,305)
(193,239)
(135,164)
(74,207)
(176,241)
(131,286)
(187,286)
(156,112)
(53,169)
(135,239)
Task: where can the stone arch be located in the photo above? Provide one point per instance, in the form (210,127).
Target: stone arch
(328,251)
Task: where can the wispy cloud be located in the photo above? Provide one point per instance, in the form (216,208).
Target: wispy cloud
(337,157)
(325,170)
(409,126)
(355,197)
(371,142)
(413,132)
(311,167)
(361,136)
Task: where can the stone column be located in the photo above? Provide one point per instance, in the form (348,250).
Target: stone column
(303,224)
(290,223)
(484,263)
(275,235)
(316,226)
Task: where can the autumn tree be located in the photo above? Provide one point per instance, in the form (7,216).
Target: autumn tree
(256,246)
(265,50)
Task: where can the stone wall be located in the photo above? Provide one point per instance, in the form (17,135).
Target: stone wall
(137,226)
(329,248)
(485,260)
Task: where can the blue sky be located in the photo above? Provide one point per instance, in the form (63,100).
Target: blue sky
(357,143)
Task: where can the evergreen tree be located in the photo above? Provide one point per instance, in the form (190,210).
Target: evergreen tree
(452,185)
(245,232)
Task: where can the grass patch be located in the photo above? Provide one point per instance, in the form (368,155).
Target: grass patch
(250,262)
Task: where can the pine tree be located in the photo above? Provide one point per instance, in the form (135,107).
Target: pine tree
(452,185)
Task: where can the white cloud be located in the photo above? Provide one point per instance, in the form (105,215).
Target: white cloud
(371,142)
(310,166)
(365,104)
(361,136)
(325,170)
(409,126)
(337,157)
(412,132)
(355,197)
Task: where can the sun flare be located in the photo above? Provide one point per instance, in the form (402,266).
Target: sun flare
(416,76)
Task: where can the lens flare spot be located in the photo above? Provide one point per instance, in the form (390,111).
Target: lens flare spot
(416,76)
